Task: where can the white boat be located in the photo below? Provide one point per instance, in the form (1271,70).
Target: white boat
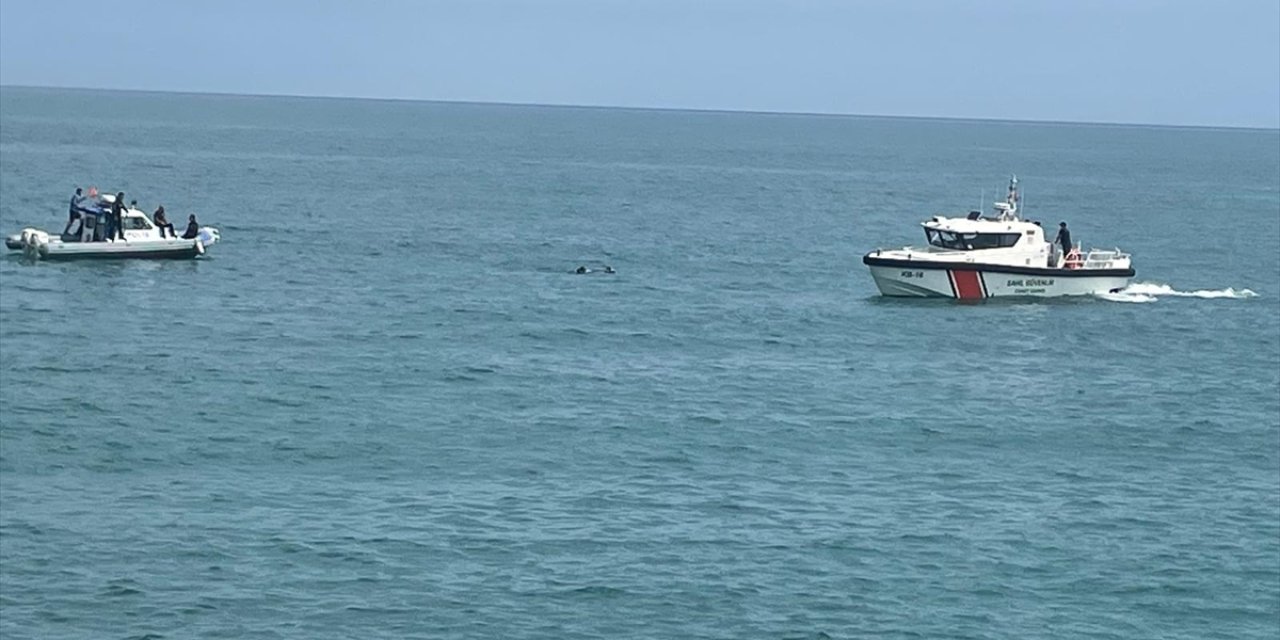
(979,257)
(142,239)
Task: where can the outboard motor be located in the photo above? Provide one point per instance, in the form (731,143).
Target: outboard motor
(208,235)
(32,241)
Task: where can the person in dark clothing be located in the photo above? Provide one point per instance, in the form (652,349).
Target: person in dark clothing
(1064,238)
(115,228)
(162,223)
(73,214)
(193,228)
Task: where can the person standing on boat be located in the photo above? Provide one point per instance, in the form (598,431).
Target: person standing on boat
(116,226)
(193,228)
(73,214)
(162,223)
(1064,239)
(110,227)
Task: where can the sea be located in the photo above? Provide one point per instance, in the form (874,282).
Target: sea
(384,405)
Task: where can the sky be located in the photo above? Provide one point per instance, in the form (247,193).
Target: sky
(1180,62)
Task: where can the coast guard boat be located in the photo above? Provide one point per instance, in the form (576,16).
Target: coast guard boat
(142,239)
(979,257)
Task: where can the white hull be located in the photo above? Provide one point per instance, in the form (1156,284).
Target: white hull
(38,244)
(137,238)
(964,282)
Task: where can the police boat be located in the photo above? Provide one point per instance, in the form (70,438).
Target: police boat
(142,238)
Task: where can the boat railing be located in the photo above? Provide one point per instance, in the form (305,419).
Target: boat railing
(1095,259)
(1104,259)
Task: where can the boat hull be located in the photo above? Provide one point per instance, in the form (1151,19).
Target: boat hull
(968,281)
(39,245)
(121,251)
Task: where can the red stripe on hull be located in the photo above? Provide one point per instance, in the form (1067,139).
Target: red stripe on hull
(967,285)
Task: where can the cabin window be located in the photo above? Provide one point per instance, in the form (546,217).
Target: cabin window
(970,241)
(135,223)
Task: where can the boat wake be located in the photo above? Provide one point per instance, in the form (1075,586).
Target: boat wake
(1150,292)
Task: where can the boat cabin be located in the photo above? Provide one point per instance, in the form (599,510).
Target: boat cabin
(951,234)
(137,226)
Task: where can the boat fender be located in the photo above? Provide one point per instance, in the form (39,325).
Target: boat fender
(199,247)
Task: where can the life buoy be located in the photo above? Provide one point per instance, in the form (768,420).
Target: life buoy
(1073,260)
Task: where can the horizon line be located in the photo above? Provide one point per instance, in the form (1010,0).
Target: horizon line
(826,114)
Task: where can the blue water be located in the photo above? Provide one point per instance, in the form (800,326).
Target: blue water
(383,407)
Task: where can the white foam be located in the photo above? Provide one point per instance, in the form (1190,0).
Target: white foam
(1120,296)
(1149,291)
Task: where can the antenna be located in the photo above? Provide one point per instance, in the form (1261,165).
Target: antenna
(1015,196)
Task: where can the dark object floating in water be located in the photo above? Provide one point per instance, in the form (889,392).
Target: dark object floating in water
(582,269)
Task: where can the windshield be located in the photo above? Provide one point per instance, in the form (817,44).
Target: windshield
(970,241)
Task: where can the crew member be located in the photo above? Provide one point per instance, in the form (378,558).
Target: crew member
(73,213)
(163,223)
(1064,239)
(116,228)
(193,228)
